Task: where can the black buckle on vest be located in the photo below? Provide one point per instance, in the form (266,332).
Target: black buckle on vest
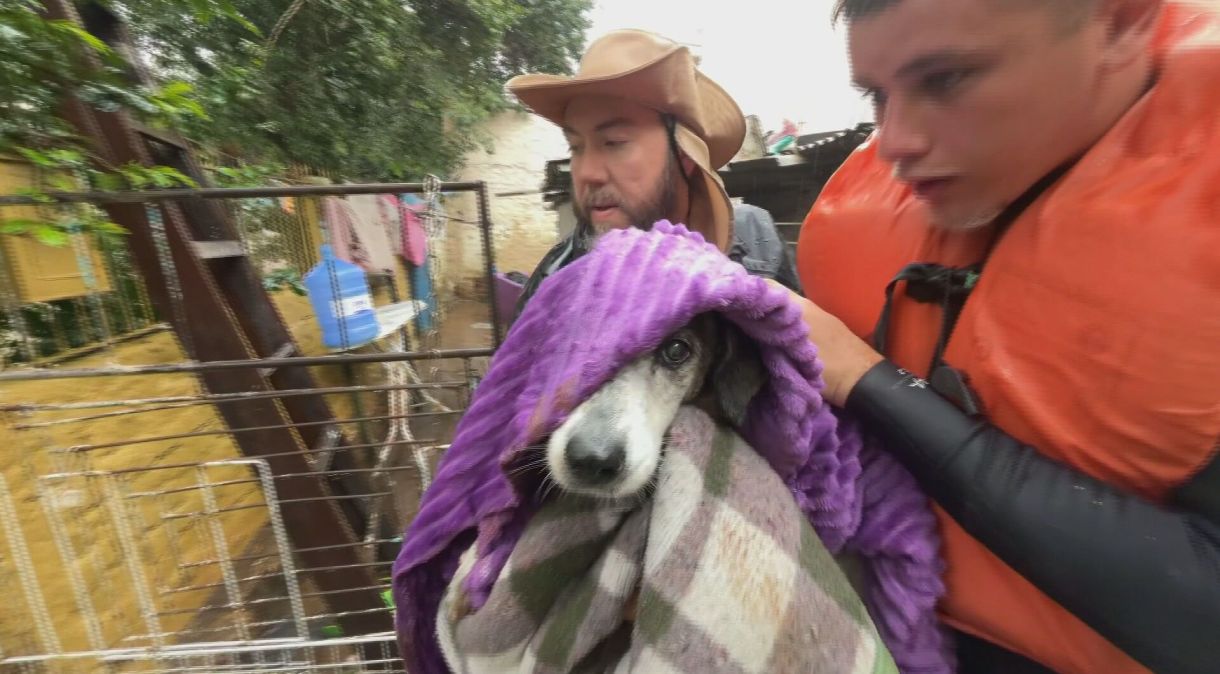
(936,283)
(948,286)
(927,282)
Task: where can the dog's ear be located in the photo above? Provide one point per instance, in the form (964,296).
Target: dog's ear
(738,374)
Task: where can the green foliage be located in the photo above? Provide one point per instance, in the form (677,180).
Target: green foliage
(284,278)
(365,89)
(42,61)
(246,175)
(65,170)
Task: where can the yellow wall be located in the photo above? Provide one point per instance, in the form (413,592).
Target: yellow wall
(41,273)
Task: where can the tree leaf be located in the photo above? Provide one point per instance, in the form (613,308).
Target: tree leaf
(81,34)
(108,182)
(108,227)
(20,225)
(36,157)
(51,236)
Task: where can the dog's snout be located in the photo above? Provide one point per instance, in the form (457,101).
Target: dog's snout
(595,463)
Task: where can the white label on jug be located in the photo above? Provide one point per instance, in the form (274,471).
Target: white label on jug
(350,306)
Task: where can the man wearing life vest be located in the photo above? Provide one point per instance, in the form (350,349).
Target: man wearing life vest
(1016,285)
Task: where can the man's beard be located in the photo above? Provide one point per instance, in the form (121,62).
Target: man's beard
(662,204)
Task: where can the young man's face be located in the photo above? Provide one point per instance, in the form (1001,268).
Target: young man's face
(978,99)
(623,171)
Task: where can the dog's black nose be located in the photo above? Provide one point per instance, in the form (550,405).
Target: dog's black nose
(595,463)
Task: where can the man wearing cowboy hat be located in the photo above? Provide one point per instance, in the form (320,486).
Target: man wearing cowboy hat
(647,132)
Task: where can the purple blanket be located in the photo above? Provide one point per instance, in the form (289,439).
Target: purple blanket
(588,320)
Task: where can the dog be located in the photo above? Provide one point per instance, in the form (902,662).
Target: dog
(611,444)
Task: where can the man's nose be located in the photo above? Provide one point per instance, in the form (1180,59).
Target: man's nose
(595,461)
(589,169)
(902,136)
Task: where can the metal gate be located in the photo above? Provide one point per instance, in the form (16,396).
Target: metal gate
(143,529)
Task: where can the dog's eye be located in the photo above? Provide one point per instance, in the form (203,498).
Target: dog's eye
(675,352)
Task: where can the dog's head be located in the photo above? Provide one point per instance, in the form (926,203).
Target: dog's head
(611,444)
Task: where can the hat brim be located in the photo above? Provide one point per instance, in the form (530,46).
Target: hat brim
(702,106)
(711,211)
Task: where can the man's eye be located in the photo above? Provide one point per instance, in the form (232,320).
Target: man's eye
(874,96)
(615,143)
(877,98)
(941,84)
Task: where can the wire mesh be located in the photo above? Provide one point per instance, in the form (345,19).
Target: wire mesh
(135,536)
(155,584)
(155,547)
(60,301)
(279,235)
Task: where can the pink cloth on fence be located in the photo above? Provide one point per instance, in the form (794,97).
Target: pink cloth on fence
(373,225)
(414,241)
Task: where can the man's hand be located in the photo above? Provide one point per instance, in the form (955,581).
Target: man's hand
(845,357)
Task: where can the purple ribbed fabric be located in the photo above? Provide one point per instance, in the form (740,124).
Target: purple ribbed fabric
(589,319)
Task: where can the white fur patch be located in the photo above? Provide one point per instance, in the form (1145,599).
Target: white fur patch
(637,406)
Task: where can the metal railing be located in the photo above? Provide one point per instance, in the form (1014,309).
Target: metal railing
(135,535)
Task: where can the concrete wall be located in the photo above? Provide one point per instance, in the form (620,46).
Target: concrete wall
(524,227)
(754,145)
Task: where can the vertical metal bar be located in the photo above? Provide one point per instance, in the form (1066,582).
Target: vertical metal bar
(221,547)
(349,378)
(489,261)
(169,273)
(53,317)
(12,307)
(82,249)
(470,384)
(25,572)
(117,283)
(131,556)
(84,603)
(283,544)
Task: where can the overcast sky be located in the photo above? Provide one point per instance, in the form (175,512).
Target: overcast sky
(777,58)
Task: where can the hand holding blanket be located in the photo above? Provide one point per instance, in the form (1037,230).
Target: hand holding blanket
(731,578)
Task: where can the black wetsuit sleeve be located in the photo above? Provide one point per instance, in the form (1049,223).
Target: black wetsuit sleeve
(1145,576)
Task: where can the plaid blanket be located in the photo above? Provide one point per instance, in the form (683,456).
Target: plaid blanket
(730,576)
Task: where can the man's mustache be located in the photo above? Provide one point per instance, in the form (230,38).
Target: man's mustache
(602,197)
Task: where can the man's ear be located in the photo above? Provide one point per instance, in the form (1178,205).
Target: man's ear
(738,374)
(1130,28)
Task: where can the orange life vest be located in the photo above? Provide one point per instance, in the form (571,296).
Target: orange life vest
(1093,333)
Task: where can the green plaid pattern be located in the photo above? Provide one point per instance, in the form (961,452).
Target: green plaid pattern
(731,578)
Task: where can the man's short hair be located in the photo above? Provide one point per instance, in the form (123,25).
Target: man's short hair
(850,10)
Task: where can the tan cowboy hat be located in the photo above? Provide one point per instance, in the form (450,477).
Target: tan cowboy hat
(661,74)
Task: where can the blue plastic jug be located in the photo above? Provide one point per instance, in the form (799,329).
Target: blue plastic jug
(342,302)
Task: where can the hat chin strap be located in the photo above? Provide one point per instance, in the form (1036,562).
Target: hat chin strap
(671,124)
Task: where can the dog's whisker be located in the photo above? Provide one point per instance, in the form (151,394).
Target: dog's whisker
(539,489)
(529,466)
(549,486)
